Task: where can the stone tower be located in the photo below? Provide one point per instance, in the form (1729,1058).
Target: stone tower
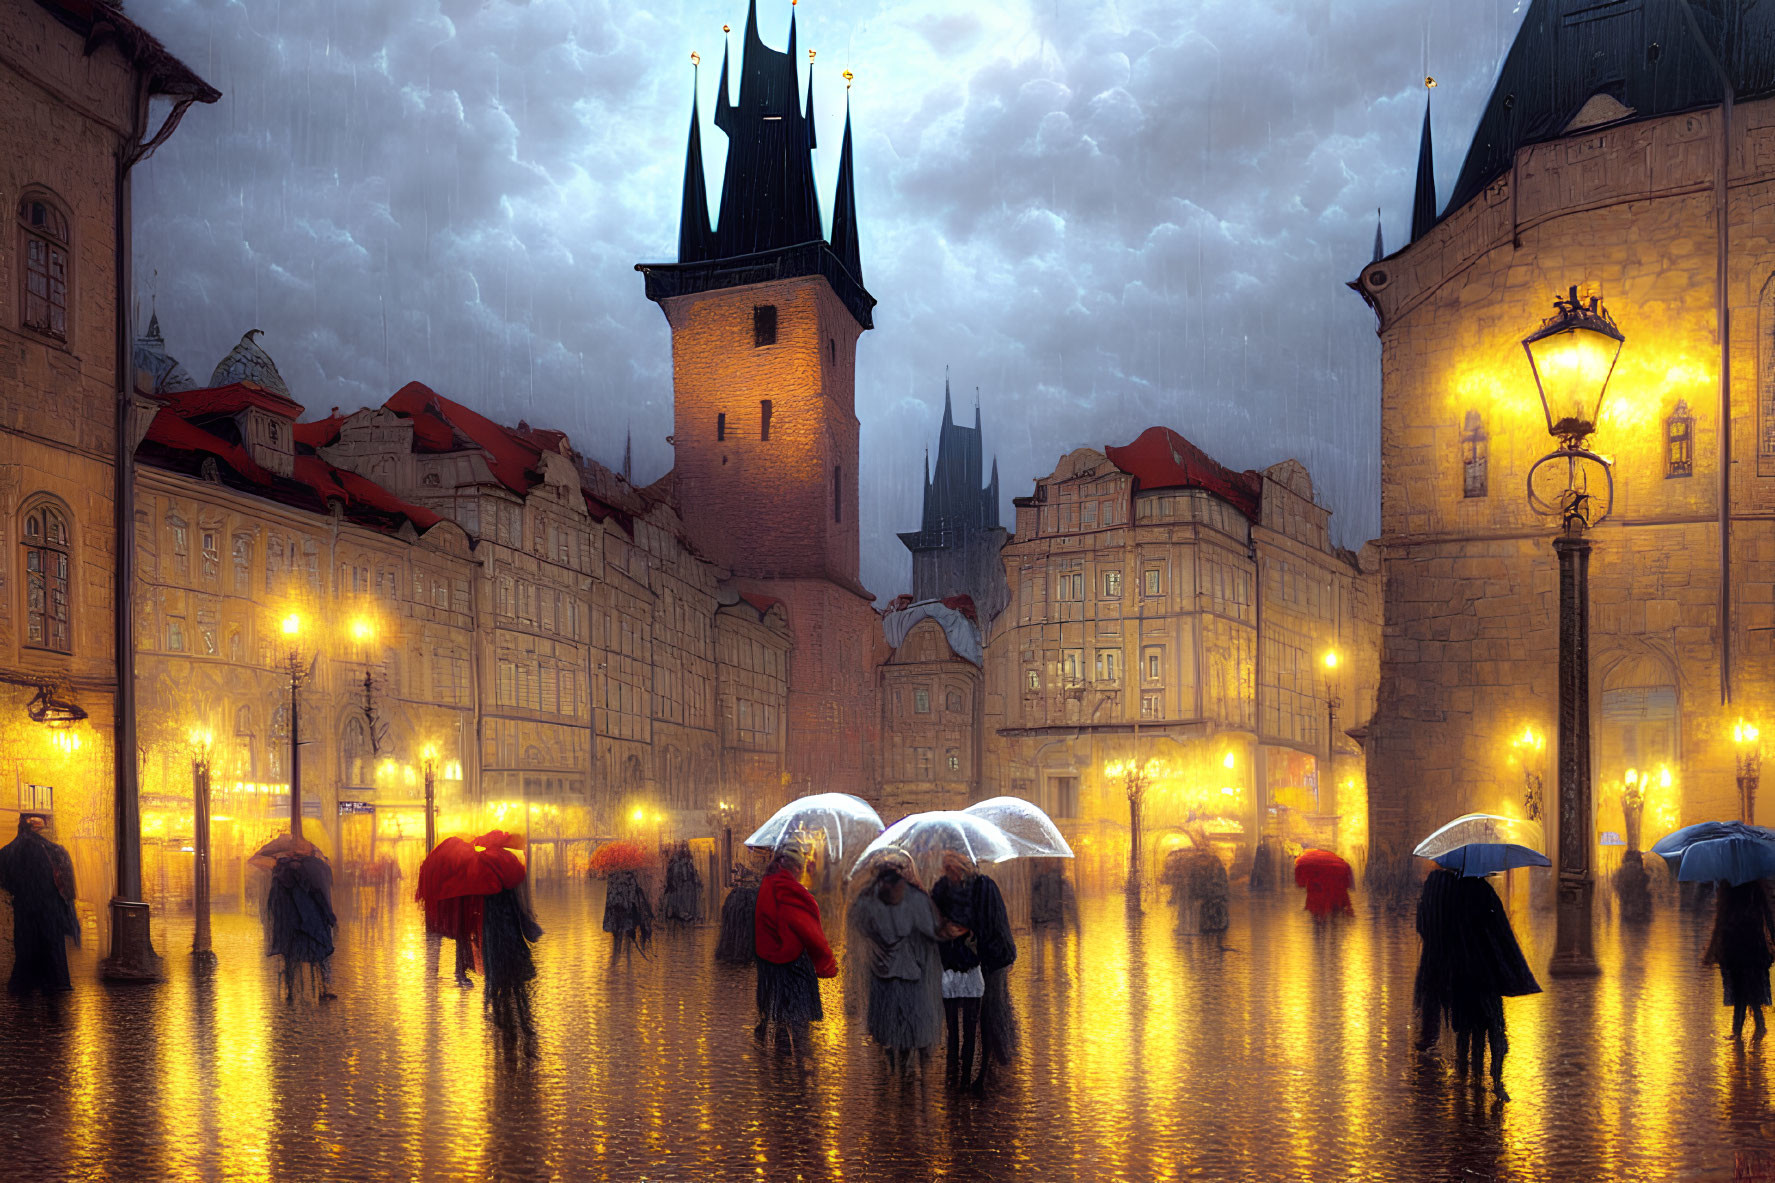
(955,549)
(765,311)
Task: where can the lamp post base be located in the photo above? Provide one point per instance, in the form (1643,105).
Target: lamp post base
(203,960)
(1574,949)
(133,958)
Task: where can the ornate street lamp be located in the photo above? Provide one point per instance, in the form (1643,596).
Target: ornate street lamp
(292,632)
(1136,778)
(1572,356)
(202,956)
(431,809)
(1748,740)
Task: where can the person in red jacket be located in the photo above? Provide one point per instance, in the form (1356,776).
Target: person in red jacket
(792,953)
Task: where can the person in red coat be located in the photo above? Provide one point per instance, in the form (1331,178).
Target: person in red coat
(792,953)
(1328,880)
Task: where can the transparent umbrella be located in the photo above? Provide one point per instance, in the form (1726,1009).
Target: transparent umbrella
(846,822)
(1030,830)
(1478,844)
(927,836)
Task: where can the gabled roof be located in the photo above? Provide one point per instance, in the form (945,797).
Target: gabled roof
(1162,459)
(176,443)
(100,22)
(1648,57)
(440,425)
(231,399)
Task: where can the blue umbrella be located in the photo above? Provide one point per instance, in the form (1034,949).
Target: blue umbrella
(1672,847)
(1480,844)
(1735,858)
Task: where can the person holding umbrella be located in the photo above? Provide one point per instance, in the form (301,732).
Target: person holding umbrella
(299,911)
(893,931)
(971,901)
(1328,880)
(450,910)
(1737,858)
(792,953)
(1471,960)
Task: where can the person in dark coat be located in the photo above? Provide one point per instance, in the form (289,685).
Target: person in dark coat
(738,915)
(682,899)
(972,901)
(300,909)
(628,917)
(39,876)
(792,954)
(508,929)
(1489,967)
(1430,990)
(893,931)
(1743,946)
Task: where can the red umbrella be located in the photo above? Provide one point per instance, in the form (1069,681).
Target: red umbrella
(458,875)
(619,856)
(1328,880)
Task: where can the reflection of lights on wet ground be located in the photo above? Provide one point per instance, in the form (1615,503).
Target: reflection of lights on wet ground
(1285,1054)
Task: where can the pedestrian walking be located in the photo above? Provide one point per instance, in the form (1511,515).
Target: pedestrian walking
(1431,988)
(1327,879)
(682,900)
(970,900)
(738,915)
(508,929)
(1743,946)
(1488,967)
(792,954)
(39,876)
(628,916)
(893,932)
(451,911)
(299,908)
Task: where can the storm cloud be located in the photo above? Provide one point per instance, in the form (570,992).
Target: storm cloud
(1100,215)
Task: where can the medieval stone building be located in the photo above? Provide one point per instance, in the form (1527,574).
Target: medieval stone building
(76,80)
(1604,159)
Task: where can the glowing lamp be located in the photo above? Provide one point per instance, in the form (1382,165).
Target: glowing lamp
(1229,762)
(1331,659)
(430,753)
(292,625)
(640,815)
(1744,734)
(1572,356)
(361,631)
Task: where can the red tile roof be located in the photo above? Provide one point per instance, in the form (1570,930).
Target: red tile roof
(321,432)
(762,603)
(1162,459)
(440,425)
(173,440)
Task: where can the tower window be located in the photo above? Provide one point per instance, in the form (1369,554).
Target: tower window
(838,493)
(1679,441)
(1475,446)
(721,425)
(764,325)
(764,410)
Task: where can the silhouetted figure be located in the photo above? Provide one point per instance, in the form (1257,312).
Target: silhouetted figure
(1327,879)
(1431,989)
(508,928)
(971,901)
(792,954)
(1263,866)
(682,899)
(628,917)
(39,876)
(299,907)
(1741,945)
(1052,902)
(1209,890)
(738,915)
(1489,967)
(893,929)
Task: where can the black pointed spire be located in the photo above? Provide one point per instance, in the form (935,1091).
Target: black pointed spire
(723,100)
(696,241)
(628,457)
(1423,204)
(948,416)
(844,206)
(1380,250)
(813,140)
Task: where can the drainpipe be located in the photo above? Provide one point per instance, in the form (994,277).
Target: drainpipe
(1723,314)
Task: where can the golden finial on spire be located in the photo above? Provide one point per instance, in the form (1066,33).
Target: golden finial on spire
(810,57)
(727,28)
(696,59)
(1429,83)
(847,79)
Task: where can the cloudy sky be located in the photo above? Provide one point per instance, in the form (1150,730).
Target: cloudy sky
(1102,215)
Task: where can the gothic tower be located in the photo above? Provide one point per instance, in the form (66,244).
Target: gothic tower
(765,311)
(955,549)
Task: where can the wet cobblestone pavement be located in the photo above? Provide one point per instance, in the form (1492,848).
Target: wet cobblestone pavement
(1147,1055)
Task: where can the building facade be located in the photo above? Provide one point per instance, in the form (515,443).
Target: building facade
(933,733)
(75,83)
(1175,617)
(1601,166)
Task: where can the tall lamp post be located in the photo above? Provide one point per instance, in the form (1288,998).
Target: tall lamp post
(431,808)
(1330,661)
(292,630)
(202,956)
(1572,355)
(1748,740)
(1136,778)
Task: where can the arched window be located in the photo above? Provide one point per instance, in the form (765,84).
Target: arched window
(43,245)
(952,702)
(45,537)
(1679,441)
(1475,446)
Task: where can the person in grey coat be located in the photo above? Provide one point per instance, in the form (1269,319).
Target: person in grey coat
(893,933)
